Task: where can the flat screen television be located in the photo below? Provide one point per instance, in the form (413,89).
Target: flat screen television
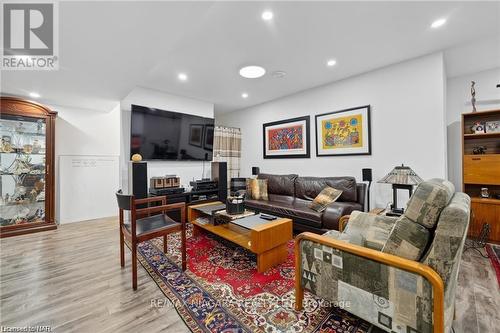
(165,135)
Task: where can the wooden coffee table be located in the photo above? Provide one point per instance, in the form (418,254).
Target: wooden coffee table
(267,239)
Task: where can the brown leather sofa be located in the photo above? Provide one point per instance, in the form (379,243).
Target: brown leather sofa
(291,195)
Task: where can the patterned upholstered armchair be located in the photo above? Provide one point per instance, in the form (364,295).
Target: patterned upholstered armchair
(399,274)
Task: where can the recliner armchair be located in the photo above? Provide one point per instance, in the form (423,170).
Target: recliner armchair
(399,274)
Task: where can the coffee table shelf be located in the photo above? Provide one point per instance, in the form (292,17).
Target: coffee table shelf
(267,239)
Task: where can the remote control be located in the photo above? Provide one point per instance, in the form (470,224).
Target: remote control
(267,217)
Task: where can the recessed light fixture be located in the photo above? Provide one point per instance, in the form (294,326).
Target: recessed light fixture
(267,15)
(278,74)
(438,23)
(34,94)
(182,76)
(252,72)
(331,62)
(244,95)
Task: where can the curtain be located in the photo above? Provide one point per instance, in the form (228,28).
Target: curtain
(227,148)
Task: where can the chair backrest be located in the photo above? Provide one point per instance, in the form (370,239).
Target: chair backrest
(124,200)
(445,252)
(428,200)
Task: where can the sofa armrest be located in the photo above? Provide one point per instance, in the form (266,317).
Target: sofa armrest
(335,210)
(365,257)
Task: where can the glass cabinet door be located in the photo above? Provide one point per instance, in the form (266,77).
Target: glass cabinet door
(22,170)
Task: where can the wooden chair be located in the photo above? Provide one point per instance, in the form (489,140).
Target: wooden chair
(148,227)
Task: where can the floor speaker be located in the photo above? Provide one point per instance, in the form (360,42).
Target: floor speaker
(219,173)
(138,179)
(367,177)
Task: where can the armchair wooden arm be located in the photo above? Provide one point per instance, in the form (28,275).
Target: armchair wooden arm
(384,258)
(343,221)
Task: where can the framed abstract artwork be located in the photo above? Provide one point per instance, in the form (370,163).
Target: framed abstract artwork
(345,132)
(195,135)
(287,138)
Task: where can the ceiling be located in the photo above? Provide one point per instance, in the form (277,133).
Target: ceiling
(108,48)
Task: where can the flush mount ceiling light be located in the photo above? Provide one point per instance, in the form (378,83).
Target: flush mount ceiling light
(252,72)
(34,94)
(244,95)
(267,15)
(331,62)
(438,23)
(182,76)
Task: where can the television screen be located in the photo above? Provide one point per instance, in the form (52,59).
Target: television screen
(165,135)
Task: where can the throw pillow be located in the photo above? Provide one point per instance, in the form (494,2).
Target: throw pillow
(324,198)
(257,189)
(407,239)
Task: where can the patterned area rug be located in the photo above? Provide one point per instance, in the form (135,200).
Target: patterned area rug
(222,291)
(494,254)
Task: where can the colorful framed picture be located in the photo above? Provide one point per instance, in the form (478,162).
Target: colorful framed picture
(345,132)
(208,141)
(195,135)
(287,138)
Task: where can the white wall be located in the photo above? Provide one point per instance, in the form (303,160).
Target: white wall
(83,132)
(186,170)
(407,119)
(458,101)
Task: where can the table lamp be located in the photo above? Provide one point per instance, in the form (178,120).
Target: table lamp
(401,177)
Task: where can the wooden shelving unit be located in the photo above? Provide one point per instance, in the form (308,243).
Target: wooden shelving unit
(482,170)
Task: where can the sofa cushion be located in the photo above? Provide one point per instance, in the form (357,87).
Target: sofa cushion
(324,198)
(428,200)
(279,184)
(407,239)
(309,187)
(294,210)
(258,204)
(257,189)
(280,198)
(368,230)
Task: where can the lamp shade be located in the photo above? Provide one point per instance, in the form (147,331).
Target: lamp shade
(401,175)
(255,171)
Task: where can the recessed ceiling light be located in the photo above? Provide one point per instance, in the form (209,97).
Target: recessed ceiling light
(278,74)
(438,23)
(267,15)
(34,95)
(252,72)
(331,62)
(244,95)
(182,76)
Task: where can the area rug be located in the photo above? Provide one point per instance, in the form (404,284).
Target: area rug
(222,291)
(494,254)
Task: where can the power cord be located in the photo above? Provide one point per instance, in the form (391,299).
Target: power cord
(481,241)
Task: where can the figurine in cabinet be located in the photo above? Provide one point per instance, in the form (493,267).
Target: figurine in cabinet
(478,127)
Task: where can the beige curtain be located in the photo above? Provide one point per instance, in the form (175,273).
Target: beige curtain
(227,148)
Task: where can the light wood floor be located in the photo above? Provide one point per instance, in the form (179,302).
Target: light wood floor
(71,279)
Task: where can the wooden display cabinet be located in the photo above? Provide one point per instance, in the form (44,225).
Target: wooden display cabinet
(480,171)
(26,167)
